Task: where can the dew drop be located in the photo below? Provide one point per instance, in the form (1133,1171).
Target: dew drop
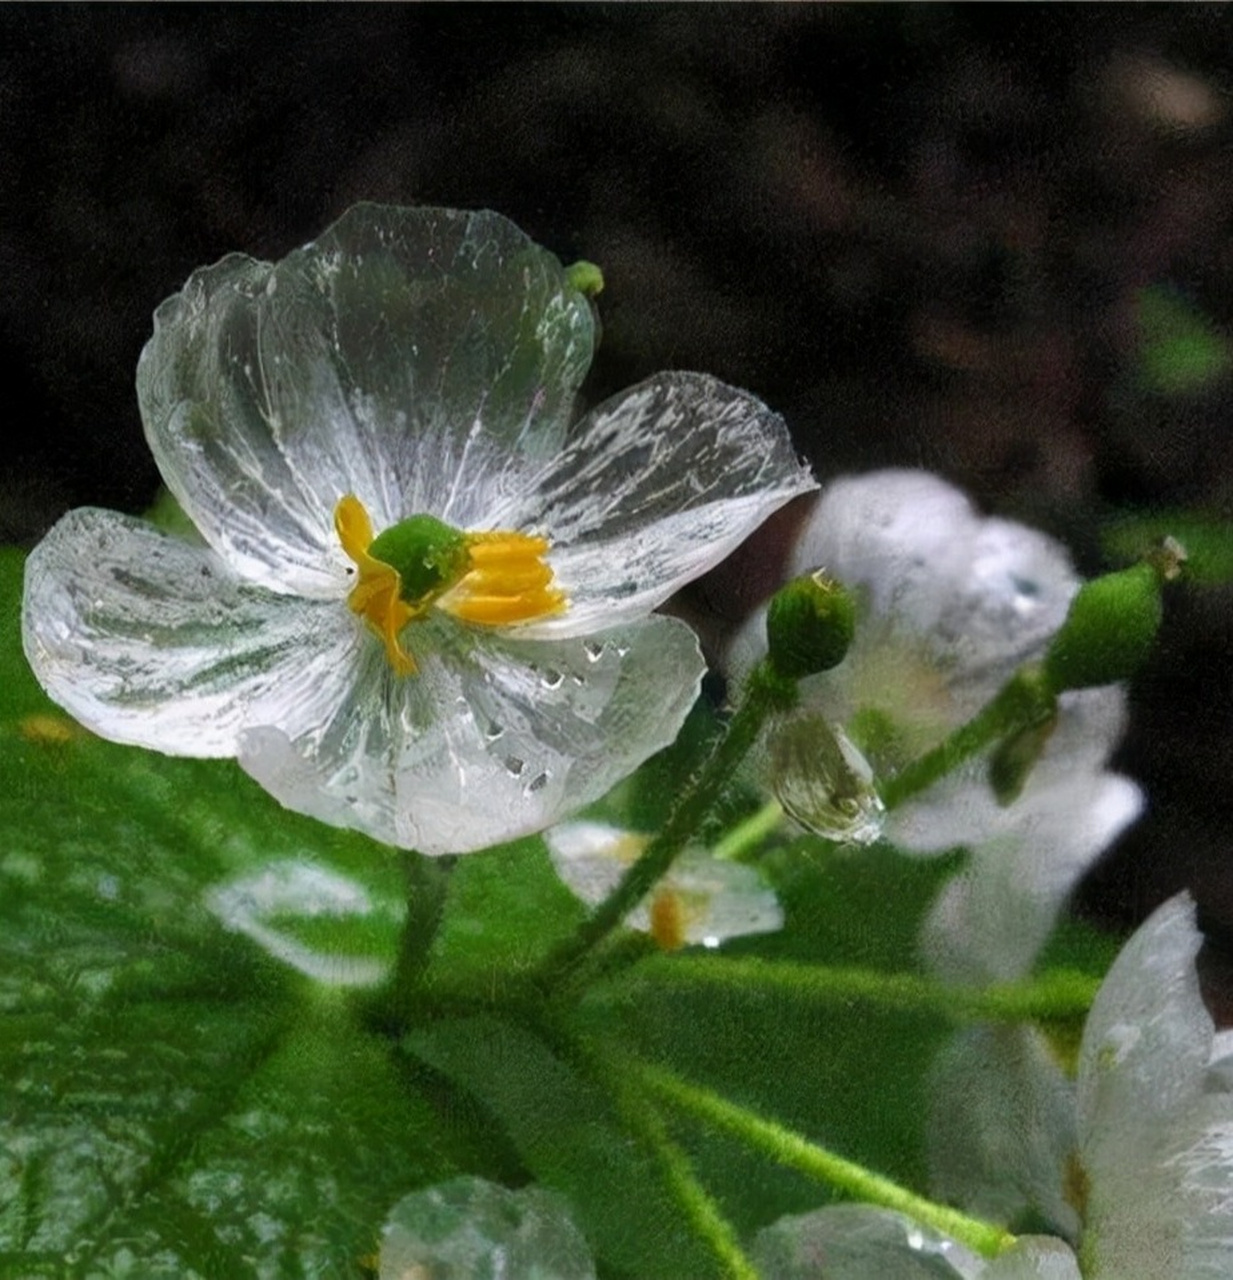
(538,783)
(552,679)
(514,765)
(593,650)
(493,730)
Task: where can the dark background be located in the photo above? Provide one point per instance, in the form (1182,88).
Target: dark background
(921,233)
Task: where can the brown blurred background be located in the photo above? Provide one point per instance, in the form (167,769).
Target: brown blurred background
(924,234)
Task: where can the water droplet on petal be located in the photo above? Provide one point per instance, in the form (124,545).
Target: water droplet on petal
(538,783)
(514,765)
(593,650)
(823,781)
(552,679)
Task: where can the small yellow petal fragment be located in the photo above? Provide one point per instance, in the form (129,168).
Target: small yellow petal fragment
(508,582)
(376,596)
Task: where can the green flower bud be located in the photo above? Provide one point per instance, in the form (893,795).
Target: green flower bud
(586,277)
(1109,630)
(809,625)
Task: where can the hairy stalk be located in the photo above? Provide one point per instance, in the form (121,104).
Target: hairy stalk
(787,1147)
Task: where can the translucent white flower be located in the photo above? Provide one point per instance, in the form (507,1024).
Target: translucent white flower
(1152,1176)
(456,682)
(950,605)
(702,900)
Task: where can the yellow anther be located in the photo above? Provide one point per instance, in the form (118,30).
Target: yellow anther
(508,582)
(487,579)
(376,597)
(668,920)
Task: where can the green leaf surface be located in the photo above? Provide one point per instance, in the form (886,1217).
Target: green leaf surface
(567,1132)
(175,1102)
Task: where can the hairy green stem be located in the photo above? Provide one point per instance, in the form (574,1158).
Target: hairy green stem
(788,1148)
(767,692)
(744,838)
(1055,996)
(700,1210)
(1024,701)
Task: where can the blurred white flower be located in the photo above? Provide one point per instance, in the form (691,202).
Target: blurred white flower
(949,605)
(702,900)
(1152,1177)
(486,670)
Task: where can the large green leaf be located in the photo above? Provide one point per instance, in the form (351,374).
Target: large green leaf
(175,1102)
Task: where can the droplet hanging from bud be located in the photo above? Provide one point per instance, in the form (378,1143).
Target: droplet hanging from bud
(823,781)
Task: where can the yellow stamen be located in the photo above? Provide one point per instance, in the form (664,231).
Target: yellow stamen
(668,920)
(506,581)
(376,597)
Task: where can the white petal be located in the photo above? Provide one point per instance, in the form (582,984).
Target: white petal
(1156,1121)
(1001,1126)
(422,359)
(983,594)
(151,640)
(1035,1258)
(717,899)
(859,1242)
(991,920)
(655,487)
(492,739)
(281,893)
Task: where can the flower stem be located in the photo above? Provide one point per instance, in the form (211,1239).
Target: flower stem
(1024,701)
(1055,996)
(747,835)
(699,1208)
(788,1148)
(767,691)
(427,880)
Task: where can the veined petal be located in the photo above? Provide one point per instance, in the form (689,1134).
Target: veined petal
(1001,1126)
(859,1242)
(422,359)
(491,739)
(1155,1118)
(653,488)
(152,640)
(974,596)
(990,922)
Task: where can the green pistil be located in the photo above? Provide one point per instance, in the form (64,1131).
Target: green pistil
(428,555)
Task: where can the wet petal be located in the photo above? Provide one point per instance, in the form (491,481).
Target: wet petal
(151,640)
(859,1242)
(1001,1126)
(472,1229)
(422,359)
(713,899)
(655,487)
(1034,1258)
(990,922)
(492,739)
(1155,1115)
(267,905)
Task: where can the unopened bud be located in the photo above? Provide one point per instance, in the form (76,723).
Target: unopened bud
(586,277)
(1109,630)
(809,625)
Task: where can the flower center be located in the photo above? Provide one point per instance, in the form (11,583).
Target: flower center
(491,579)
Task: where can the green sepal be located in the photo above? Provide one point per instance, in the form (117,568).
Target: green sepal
(1109,631)
(428,554)
(809,625)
